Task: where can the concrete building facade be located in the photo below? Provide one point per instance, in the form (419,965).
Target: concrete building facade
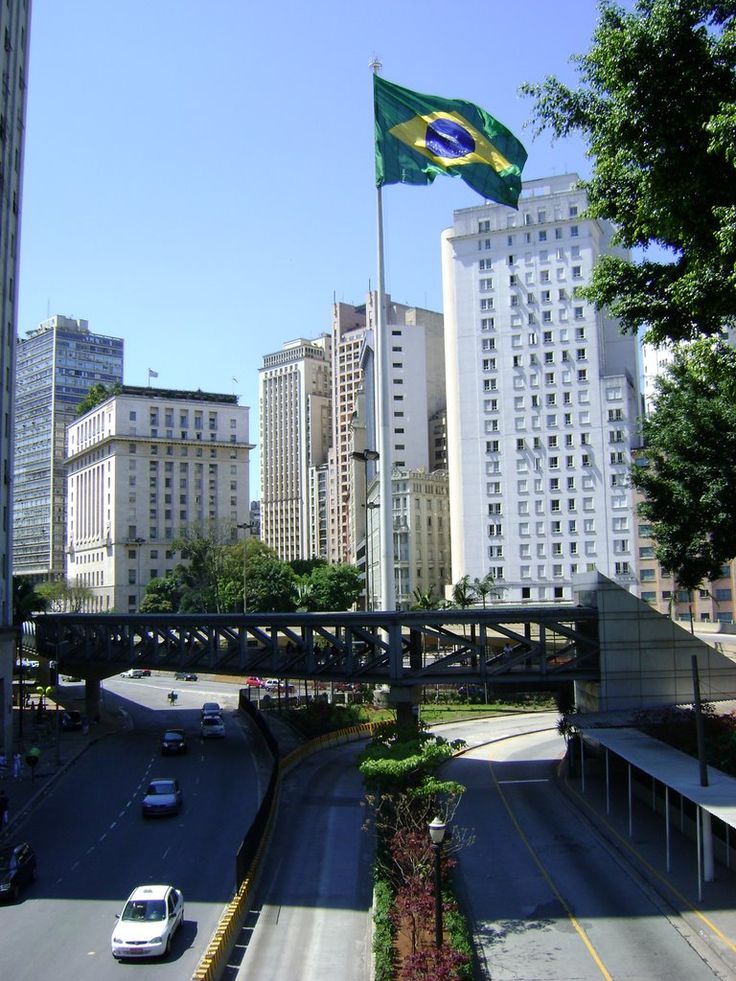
(56,366)
(543,398)
(421,531)
(143,467)
(296,435)
(15,22)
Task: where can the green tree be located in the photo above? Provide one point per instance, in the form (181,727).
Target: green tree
(303,597)
(163,595)
(688,474)
(96,396)
(203,549)
(425,599)
(303,567)
(335,587)
(64,596)
(656,106)
(26,600)
(271,583)
(483,588)
(462,593)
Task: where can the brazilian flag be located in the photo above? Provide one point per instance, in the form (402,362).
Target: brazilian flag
(419,136)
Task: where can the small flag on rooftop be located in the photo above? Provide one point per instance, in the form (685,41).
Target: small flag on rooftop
(419,136)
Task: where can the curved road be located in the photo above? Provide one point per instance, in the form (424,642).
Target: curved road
(549,899)
(94,847)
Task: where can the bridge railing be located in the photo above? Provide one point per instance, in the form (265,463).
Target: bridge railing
(396,647)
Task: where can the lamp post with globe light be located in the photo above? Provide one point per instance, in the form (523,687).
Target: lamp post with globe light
(437,829)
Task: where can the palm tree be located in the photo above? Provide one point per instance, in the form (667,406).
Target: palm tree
(304,594)
(483,588)
(425,599)
(462,593)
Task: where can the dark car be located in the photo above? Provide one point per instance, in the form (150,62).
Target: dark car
(185,676)
(71,721)
(173,742)
(17,869)
(163,796)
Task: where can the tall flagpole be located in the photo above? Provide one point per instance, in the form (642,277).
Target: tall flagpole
(383,401)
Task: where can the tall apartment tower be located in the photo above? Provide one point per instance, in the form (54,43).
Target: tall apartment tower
(144,466)
(417,393)
(542,398)
(15,18)
(349,331)
(295,418)
(56,366)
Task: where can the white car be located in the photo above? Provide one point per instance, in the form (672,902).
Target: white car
(212,727)
(148,922)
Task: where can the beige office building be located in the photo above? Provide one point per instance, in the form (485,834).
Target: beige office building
(296,435)
(142,467)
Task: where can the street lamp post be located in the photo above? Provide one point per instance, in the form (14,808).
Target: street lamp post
(54,665)
(366,457)
(437,830)
(370,506)
(246,526)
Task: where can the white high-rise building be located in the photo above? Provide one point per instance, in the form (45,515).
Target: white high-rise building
(542,398)
(296,435)
(143,467)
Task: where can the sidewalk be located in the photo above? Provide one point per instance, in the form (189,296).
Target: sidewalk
(58,752)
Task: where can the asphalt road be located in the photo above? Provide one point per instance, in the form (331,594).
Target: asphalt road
(549,899)
(94,847)
(315,892)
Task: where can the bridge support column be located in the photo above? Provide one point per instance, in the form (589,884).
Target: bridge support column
(405,701)
(92,698)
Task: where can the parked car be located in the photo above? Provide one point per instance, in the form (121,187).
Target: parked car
(185,676)
(71,720)
(211,708)
(255,682)
(211,727)
(162,797)
(17,869)
(148,922)
(135,673)
(173,742)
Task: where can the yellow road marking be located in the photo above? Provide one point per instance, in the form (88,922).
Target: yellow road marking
(683,899)
(548,879)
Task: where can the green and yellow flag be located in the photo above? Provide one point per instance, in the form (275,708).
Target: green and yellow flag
(419,136)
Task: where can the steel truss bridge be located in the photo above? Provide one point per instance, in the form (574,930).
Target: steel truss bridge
(514,646)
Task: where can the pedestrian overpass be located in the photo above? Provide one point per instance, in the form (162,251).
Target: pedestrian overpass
(617,651)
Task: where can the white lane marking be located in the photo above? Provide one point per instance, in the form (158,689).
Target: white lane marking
(535,780)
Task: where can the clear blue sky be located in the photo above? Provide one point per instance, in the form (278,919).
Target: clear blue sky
(199,178)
